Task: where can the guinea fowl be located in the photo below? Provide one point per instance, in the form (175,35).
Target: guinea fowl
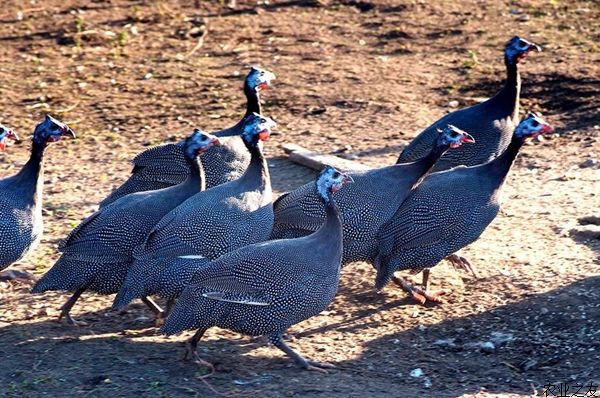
(491,122)
(364,206)
(5,135)
(446,212)
(206,226)
(97,254)
(265,288)
(165,165)
(21,223)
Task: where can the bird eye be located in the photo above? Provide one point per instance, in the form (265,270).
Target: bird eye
(336,175)
(263,121)
(262,73)
(454,134)
(521,43)
(535,123)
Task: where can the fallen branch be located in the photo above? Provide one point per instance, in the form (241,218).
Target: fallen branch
(316,161)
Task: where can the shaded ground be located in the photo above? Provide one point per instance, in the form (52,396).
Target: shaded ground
(127,75)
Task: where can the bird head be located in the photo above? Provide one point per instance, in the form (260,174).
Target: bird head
(331,180)
(453,137)
(199,142)
(51,130)
(517,48)
(259,79)
(5,135)
(257,128)
(532,126)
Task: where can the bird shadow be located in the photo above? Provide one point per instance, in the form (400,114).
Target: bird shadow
(539,340)
(575,98)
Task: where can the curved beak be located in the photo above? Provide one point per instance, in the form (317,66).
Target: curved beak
(347,180)
(67,132)
(467,138)
(534,47)
(13,136)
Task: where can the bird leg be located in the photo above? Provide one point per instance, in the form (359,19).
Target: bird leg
(421,295)
(160,318)
(425,281)
(277,341)
(155,308)
(66,309)
(460,262)
(190,350)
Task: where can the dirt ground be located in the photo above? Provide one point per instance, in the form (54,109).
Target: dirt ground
(358,76)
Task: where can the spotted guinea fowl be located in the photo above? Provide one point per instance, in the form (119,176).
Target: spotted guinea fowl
(206,226)
(21,223)
(97,254)
(446,212)
(5,135)
(491,122)
(365,205)
(265,288)
(165,165)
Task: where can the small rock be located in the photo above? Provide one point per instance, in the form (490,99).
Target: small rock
(499,338)
(591,162)
(453,104)
(485,346)
(523,18)
(318,110)
(416,373)
(445,342)
(488,347)
(148,76)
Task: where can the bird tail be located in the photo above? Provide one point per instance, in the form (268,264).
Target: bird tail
(139,282)
(385,270)
(66,274)
(185,314)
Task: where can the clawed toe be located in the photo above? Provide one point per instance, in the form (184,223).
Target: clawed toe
(461,263)
(70,320)
(420,295)
(423,296)
(322,365)
(318,369)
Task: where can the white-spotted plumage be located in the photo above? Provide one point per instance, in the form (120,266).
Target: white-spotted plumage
(447,211)
(165,165)
(97,254)
(265,288)
(491,122)
(209,224)
(365,205)
(21,223)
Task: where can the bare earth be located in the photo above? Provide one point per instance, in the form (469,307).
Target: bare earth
(361,76)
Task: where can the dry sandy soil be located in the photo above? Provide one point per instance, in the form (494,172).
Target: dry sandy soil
(363,76)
